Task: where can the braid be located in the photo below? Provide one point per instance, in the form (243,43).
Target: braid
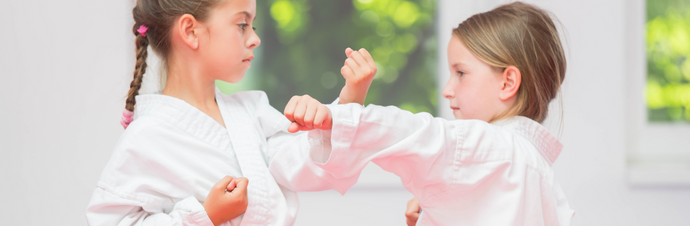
(142,44)
(153,20)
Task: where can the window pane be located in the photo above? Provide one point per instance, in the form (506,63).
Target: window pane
(303,48)
(668,66)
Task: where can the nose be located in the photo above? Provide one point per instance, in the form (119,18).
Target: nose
(448,90)
(254,40)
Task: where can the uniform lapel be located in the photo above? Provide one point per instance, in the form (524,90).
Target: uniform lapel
(247,145)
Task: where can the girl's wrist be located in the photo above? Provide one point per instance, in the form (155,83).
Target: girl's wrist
(351,94)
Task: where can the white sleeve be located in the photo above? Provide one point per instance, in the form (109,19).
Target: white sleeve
(289,153)
(291,164)
(107,208)
(419,148)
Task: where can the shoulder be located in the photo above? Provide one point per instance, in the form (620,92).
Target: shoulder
(502,142)
(256,104)
(477,131)
(250,99)
(146,129)
(140,147)
(482,142)
(147,160)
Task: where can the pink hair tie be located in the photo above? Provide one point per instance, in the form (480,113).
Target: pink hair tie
(142,30)
(126,118)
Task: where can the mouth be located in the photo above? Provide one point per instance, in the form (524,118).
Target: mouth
(248,59)
(454,108)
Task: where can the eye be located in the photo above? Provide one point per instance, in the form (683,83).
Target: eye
(242,26)
(461,73)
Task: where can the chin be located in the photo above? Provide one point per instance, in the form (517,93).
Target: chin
(235,78)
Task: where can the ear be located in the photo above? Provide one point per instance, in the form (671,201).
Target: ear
(187,27)
(511,80)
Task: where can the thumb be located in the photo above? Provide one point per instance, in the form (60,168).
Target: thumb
(231,186)
(413,207)
(223,183)
(294,127)
(242,184)
(305,128)
(348,51)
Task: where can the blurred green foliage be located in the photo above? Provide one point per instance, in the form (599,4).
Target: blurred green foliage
(303,46)
(668,62)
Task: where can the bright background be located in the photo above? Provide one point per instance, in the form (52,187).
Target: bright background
(668,60)
(303,48)
(66,65)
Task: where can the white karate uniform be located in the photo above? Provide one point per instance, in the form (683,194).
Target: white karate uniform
(464,172)
(167,160)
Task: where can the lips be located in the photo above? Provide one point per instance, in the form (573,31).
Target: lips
(248,59)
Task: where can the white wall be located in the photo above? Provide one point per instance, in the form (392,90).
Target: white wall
(63,70)
(65,67)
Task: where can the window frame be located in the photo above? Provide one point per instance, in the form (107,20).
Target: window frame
(658,154)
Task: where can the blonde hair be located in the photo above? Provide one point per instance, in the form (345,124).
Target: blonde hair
(524,36)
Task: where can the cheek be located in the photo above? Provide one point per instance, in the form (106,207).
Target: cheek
(226,44)
(464,95)
(223,57)
(470,100)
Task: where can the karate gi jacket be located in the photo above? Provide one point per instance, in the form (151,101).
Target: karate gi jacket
(463,172)
(170,156)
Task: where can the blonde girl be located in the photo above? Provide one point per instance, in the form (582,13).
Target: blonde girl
(490,166)
(191,155)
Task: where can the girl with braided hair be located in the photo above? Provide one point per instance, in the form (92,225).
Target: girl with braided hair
(191,155)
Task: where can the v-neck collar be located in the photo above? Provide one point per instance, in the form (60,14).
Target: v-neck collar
(184,116)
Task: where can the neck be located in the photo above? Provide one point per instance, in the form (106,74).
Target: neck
(506,109)
(186,82)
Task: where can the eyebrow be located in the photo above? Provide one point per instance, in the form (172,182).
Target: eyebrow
(458,65)
(247,14)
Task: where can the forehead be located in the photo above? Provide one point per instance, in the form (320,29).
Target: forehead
(236,8)
(458,53)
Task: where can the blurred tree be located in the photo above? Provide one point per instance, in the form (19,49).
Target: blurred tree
(303,48)
(668,62)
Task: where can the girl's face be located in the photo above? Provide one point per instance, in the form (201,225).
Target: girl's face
(228,45)
(474,86)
